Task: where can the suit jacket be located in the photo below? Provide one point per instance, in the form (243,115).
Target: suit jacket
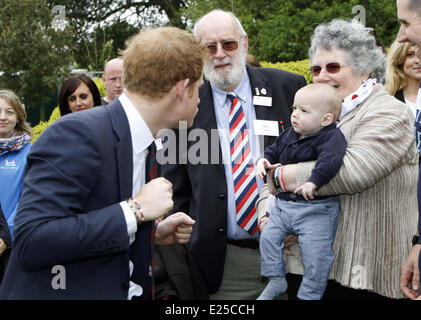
(201,191)
(69,214)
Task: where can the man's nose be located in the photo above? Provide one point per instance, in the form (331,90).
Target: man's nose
(220,52)
(402,37)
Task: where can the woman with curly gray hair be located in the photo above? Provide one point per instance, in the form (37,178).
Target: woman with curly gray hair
(377,183)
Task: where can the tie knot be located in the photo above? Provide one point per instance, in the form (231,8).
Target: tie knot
(231,96)
(152,148)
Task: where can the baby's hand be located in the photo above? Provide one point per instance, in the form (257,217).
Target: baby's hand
(261,166)
(307,190)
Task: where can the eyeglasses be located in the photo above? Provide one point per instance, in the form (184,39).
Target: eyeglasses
(229,45)
(330,67)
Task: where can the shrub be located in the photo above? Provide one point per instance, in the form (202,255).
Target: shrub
(301,67)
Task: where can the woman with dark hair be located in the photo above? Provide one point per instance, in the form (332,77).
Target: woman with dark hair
(78,93)
(15,143)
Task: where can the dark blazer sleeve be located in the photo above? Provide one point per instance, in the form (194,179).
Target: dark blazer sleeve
(330,157)
(52,225)
(4,230)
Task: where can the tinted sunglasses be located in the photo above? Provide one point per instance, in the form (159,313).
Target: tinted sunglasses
(330,67)
(229,45)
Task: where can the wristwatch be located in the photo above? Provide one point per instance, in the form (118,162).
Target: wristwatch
(415,240)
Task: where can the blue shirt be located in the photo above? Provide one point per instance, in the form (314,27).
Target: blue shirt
(222,107)
(12,169)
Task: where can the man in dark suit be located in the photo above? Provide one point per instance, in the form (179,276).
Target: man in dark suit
(220,192)
(409,14)
(86,219)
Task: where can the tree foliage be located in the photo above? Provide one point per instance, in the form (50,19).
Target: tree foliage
(33,56)
(280,30)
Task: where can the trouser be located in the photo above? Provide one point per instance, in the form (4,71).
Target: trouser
(315,222)
(241,279)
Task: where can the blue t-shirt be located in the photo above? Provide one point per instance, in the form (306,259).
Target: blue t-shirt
(12,169)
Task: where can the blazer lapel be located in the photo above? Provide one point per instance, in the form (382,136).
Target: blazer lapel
(123,148)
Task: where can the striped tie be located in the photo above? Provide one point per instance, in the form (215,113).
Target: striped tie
(245,186)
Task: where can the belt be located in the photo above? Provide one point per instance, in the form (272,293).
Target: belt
(290,196)
(245,243)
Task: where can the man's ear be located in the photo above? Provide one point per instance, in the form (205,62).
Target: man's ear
(327,119)
(180,88)
(246,42)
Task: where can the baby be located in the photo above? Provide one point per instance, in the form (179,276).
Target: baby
(313,136)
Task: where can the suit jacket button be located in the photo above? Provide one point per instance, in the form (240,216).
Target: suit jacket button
(221,196)
(221,230)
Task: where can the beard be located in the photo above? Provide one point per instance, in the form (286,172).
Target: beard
(230,77)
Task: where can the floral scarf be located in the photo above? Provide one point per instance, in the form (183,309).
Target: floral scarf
(14,143)
(357,97)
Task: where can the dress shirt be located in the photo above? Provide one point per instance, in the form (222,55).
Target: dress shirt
(141,139)
(222,107)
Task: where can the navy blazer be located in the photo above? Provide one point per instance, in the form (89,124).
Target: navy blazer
(69,214)
(200,190)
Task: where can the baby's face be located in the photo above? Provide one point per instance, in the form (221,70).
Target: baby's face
(308,113)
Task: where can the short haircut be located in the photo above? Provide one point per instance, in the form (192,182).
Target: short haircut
(70,85)
(156,59)
(325,96)
(13,100)
(241,31)
(361,50)
(396,79)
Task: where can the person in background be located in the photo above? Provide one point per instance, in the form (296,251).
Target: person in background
(15,143)
(252,60)
(112,79)
(78,93)
(379,167)
(219,194)
(409,14)
(403,74)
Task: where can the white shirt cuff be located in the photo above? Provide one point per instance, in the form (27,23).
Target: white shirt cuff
(130,221)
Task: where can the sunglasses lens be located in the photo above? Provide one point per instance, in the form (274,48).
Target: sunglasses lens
(315,70)
(333,67)
(229,45)
(212,49)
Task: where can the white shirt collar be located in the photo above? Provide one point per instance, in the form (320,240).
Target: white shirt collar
(141,134)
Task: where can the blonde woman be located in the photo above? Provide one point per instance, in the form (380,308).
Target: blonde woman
(15,137)
(403,73)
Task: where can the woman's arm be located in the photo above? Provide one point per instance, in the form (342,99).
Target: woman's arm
(379,141)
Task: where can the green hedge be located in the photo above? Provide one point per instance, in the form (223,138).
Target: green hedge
(299,67)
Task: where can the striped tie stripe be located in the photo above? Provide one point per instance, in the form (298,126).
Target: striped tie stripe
(245,186)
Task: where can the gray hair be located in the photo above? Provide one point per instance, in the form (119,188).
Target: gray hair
(362,52)
(415,5)
(241,31)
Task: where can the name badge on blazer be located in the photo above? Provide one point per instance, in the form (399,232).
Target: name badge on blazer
(266,128)
(262,101)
